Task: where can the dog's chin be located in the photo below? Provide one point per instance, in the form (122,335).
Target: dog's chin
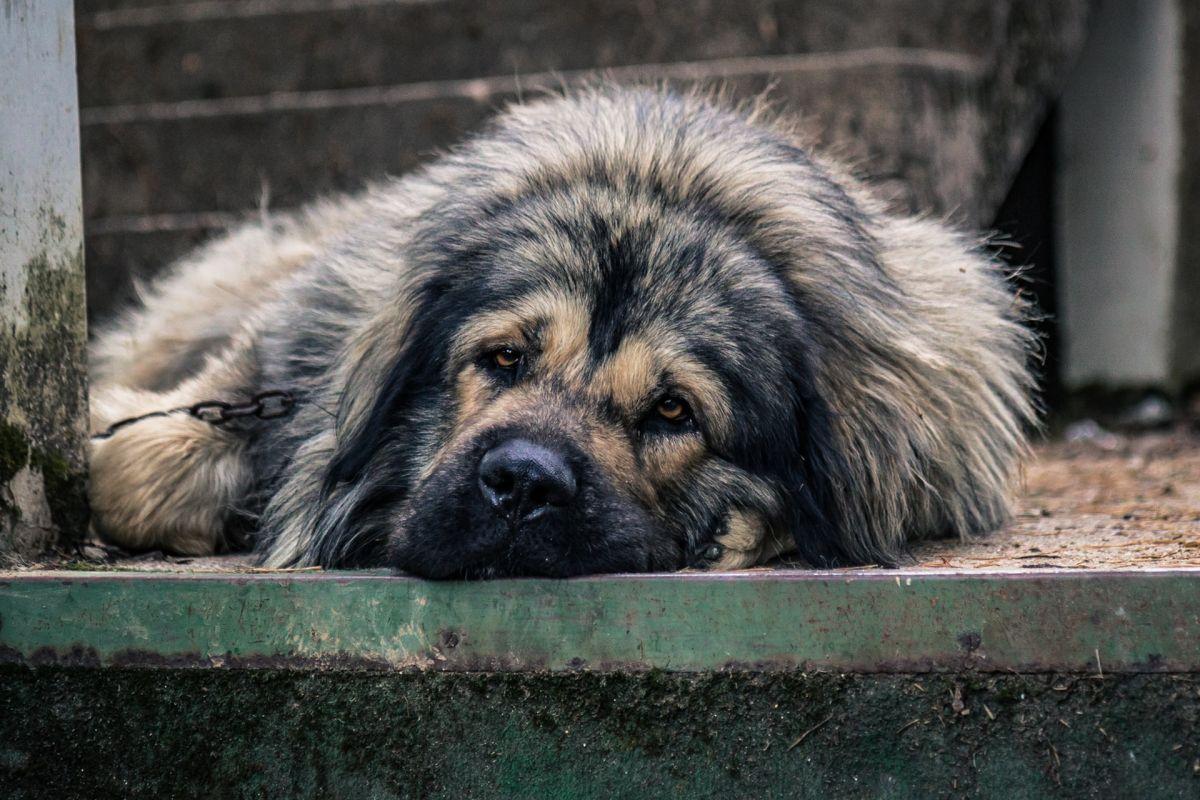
(446,531)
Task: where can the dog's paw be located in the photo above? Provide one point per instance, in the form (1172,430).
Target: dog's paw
(746,542)
(166,483)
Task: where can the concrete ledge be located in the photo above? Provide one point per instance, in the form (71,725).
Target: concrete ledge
(1064,621)
(918,684)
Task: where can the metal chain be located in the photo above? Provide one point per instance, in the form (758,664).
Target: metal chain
(271,404)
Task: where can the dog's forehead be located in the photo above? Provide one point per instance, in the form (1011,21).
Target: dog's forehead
(625,296)
(620,243)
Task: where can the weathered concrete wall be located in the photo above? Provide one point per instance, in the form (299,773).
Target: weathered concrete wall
(42,372)
(192,110)
(68,732)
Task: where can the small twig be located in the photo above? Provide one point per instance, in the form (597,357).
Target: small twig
(907,725)
(1056,772)
(988,711)
(1099,666)
(282,569)
(806,734)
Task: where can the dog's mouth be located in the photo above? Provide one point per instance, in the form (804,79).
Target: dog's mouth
(523,505)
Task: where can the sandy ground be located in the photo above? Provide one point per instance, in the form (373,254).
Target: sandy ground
(1106,501)
(1102,501)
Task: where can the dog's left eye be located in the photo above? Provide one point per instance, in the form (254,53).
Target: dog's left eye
(506,357)
(673,409)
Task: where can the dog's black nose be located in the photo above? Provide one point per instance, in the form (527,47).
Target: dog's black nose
(521,480)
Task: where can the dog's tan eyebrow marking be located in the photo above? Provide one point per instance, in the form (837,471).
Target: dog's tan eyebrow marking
(628,376)
(560,320)
(564,336)
(647,363)
(490,329)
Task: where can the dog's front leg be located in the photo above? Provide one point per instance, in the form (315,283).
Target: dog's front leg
(170,482)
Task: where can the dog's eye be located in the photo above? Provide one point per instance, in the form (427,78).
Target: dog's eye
(506,357)
(672,409)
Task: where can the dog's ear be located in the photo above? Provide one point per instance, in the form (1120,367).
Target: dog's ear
(827,527)
(398,354)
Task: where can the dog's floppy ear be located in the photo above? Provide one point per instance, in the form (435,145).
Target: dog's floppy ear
(399,353)
(822,518)
(920,390)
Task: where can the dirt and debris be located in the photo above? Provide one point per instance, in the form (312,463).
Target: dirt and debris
(1096,500)
(808,732)
(1092,499)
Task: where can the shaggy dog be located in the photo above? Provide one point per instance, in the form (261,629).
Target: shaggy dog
(619,330)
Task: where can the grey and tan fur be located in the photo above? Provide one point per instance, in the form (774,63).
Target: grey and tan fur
(851,378)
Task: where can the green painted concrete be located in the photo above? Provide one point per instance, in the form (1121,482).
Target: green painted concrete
(756,685)
(1074,621)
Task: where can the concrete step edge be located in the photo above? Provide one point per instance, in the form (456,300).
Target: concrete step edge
(204,10)
(482,88)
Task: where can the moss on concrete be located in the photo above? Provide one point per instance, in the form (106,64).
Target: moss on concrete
(14,451)
(14,456)
(212,733)
(43,402)
(66,491)
(64,485)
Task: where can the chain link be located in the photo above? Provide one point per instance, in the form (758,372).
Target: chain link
(271,404)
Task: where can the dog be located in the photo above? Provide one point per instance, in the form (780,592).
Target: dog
(620,329)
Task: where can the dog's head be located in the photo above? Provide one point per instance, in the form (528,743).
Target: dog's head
(601,383)
(638,333)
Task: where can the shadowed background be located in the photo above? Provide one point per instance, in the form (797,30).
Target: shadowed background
(199,113)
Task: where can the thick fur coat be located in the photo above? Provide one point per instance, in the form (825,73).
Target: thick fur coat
(621,329)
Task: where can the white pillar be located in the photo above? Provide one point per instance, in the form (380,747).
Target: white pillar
(1118,198)
(43,401)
